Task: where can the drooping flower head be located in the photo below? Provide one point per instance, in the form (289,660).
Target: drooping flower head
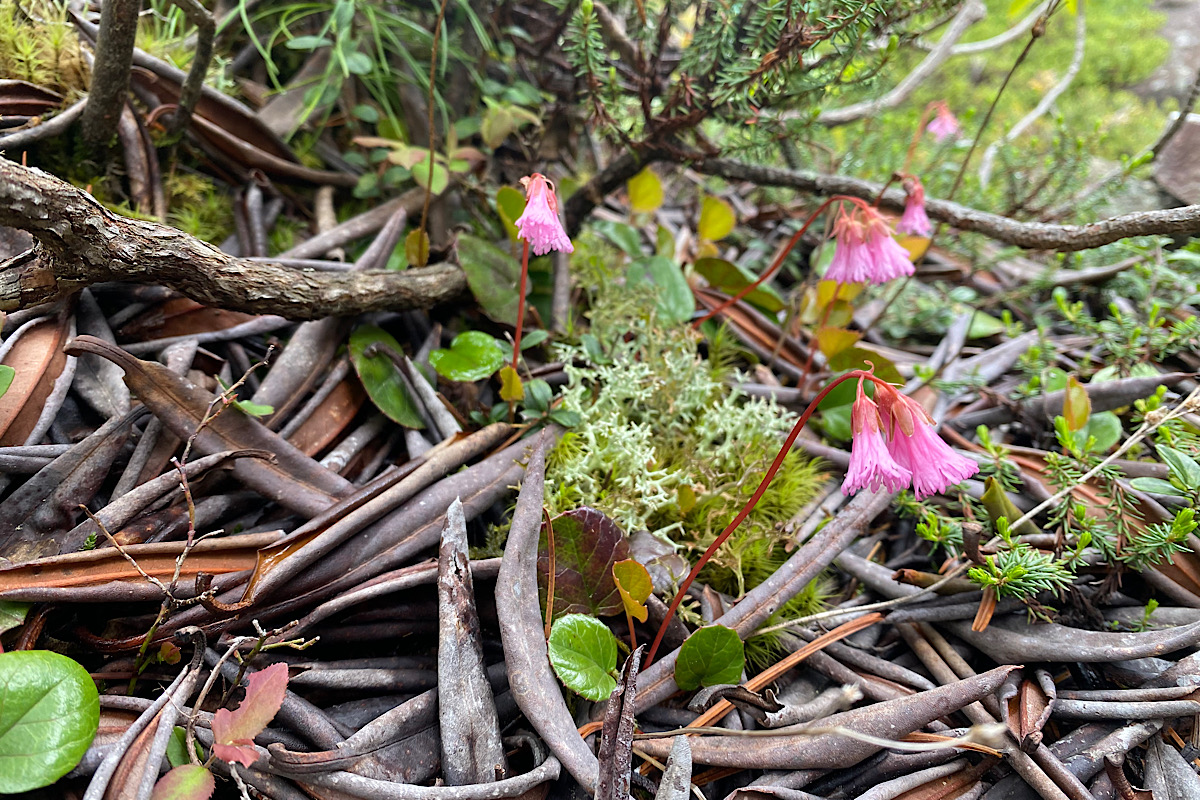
(895,444)
(916,446)
(871,465)
(914,220)
(944,122)
(539,224)
(866,251)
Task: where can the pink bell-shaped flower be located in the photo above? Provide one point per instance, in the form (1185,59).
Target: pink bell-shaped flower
(944,122)
(888,259)
(916,446)
(866,251)
(914,220)
(871,465)
(539,224)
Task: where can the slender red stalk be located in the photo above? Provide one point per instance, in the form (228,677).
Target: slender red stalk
(521,305)
(758,493)
(917,134)
(779,259)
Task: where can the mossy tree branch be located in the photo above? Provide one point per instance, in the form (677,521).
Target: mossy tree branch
(79,242)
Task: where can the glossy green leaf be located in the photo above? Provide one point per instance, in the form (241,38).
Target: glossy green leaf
(12,614)
(836,422)
(710,656)
(1183,467)
(583,652)
(1105,428)
(7,374)
(380,377)
(49,714)
(177,748)
(716,219)
(186,782)
(1155,486)
(675,301)
(645,192)
(998,504)
(473,356)
(626,237)
(493,275)
(510,205)
(732,278)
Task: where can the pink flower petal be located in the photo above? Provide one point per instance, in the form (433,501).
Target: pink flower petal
(539,224)
(933,463)
(872,466)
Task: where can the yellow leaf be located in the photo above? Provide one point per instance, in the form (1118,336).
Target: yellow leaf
(634,584)
(832,341)
(828,291)
(716,219)
(416,247)
(915,245)
(645,192)
(706,249)
(511,388)
(1077,406)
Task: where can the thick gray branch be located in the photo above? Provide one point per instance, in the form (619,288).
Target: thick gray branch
(110,73)
(79,242)
(1031,235)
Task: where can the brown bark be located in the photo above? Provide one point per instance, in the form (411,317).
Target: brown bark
(110,74)
(79,242)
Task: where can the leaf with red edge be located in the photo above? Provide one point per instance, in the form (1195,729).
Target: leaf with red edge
(586,545)
(189,782)
(234,731)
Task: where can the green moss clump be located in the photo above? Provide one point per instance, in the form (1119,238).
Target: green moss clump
(198,207)
(665,445)
(39,44)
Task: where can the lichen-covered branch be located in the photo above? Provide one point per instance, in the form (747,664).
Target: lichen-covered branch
(1031,235)
(79,242)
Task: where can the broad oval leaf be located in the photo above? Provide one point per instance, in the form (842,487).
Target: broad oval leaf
(675,300)
(1155,486)
(1183,467)
(645,191)
(380,377)
(49,713)
(435,182)
(710,656)
(493,275)
(634,585)
(732,278)
(187,782)
(7,374)
(473,356)
(716,219)
(1105,428)
(12,614)
(583,652)
(586,545)
(1077,406)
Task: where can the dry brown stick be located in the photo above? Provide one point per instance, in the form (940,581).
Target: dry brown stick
(79,242)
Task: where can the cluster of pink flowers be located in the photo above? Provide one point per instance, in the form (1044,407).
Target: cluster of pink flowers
(866,251)
(944,122)
(539,224)
(894,444)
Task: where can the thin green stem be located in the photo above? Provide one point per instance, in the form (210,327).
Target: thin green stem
(758,493)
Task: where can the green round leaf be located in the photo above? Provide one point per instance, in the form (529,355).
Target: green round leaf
(675,301)
(583,652)
(493,275)
(710,656)
(7,374)
(472,356)
(381,378)
(49,713)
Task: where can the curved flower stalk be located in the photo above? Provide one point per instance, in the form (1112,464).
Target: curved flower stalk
(541,230)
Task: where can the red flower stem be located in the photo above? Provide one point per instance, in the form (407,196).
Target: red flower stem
(521,305)
(917,134)
(779,259)
(745,512)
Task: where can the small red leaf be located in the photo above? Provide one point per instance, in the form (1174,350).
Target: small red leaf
(264,695)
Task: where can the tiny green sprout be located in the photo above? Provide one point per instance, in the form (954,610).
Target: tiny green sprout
(89,543)
(248,408)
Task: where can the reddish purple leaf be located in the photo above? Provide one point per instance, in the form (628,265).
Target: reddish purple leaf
(586,545)
(234,731)
(188,782)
